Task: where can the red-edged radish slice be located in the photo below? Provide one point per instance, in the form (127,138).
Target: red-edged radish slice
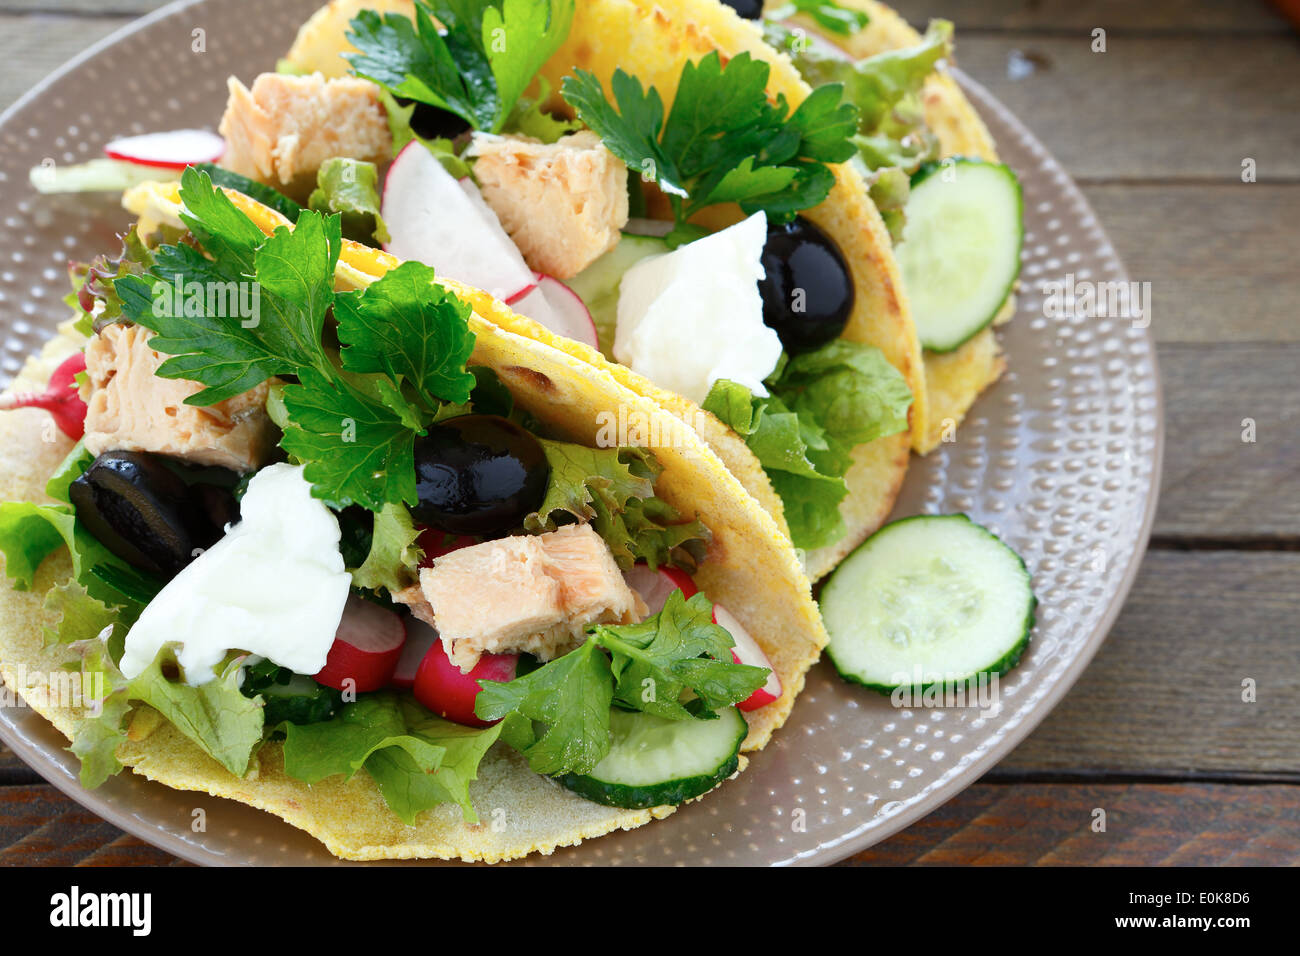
(569,314)
(60,397)
(444,223)
(366,647)
(419,638)
(435,544)
(655,586)
(534,304)
(440,686)
(175,149)
(747,651)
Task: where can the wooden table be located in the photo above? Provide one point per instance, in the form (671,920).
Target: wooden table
(1155,129)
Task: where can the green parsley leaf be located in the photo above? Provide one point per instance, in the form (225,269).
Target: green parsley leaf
(477,67)
(571,696)
(294,275)
(405,326)
(679,649)
(723,141)
(356,449)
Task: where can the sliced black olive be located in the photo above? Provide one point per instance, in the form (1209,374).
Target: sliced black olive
(478,475)
(144,512)
(807,290)
(749,9)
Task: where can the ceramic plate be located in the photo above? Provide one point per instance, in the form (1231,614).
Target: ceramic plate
(1061,459)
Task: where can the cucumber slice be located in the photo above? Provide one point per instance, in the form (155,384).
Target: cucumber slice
(960,253)
(926,600)
(653,762)
(597,285)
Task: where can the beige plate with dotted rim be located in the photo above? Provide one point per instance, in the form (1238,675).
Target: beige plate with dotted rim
(1061,459)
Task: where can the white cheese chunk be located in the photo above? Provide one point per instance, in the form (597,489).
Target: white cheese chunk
(694,315)
(275,585)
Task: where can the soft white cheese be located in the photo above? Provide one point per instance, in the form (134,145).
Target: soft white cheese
(694,315)
(275,585)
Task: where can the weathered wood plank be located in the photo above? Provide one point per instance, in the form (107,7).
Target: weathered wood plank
(1215,484)
(1146,825)
(1159,16)
(1220,258)
(31,47)
(1165,690)
(1189,107)
(1021,824)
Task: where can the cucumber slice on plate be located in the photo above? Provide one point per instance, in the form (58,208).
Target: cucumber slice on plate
(654,762)
(960,252)
(926,600)
(597,285)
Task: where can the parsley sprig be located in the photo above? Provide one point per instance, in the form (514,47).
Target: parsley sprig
(352,418)
(723,140)
(477,66)
(676,665)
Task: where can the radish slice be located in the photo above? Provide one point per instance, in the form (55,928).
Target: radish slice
(568,314)
(747,651)
(419,638)
(366,648)
(435,219)
(172,150)
(60,397)
(440,686)
(655,586)
(534,304)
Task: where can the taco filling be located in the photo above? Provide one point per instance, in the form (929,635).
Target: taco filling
(657,220)
(330,529)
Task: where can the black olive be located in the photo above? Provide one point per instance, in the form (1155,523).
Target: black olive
(432,122)
(144,512)
(807,290)
(478,475)
(749,9)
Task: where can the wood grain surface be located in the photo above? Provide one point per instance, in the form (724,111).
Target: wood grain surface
(1155,732)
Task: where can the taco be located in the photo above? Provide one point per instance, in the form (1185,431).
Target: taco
(927,126)
(225,583)
(769,314)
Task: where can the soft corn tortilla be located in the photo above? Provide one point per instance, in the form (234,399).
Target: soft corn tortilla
(953,380)
(751,569)
(653,39)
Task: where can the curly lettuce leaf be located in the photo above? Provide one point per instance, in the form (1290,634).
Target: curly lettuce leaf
(224,723)
(822,405)
(350,187)
(394,556)
(613,488)
(417,760)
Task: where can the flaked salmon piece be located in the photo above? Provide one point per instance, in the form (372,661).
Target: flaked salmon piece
(280,131)
(562,203)
(531,594)
(129,408)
